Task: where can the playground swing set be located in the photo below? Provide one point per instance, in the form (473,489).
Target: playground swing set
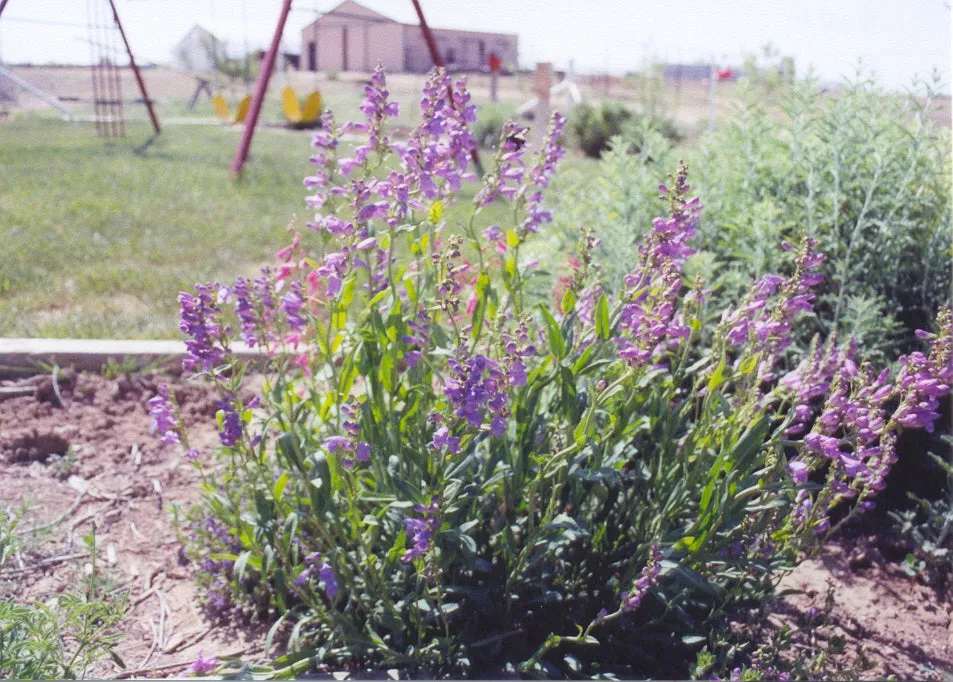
(105,31)
(107,93)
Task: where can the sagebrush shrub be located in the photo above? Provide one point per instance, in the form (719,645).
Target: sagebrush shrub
(863,171)
(592,127)
(443,475)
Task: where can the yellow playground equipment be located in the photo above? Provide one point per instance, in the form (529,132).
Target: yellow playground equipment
(304,113)
(223,112)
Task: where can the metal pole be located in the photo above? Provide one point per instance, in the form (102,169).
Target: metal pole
(241,154)
(3,3)
(428,36)
(135,70)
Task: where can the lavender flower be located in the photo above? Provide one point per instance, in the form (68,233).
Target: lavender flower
(201,320)
(420,531)
(442,438)
(202,665)
(231,429)
(163,416)
(650,574)
(291,305)
(652,326)
(474,387)
(349,444)
(324,571)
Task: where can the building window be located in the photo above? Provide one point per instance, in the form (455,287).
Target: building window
(450,57)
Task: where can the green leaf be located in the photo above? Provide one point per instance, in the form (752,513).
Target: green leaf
(749,365)
(717,377)
(602,318)
(568,302)
(347,290)
(436,212)
(280,484)
(238,570)
(556,343)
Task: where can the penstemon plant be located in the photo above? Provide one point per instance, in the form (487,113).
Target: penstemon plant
(443,472)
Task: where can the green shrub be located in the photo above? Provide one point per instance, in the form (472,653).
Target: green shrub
(441,476)
(863,171)
(867,173)
(593,127)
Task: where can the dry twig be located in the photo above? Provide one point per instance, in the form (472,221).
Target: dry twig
(126,674)
(58,520)
(43,563)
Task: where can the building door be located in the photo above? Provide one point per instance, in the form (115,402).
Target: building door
(312,56)
(344,48)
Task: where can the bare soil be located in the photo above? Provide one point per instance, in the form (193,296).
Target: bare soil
(121,478)
(904,626)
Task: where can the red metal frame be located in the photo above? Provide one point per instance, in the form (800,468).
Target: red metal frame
(135,70)
(241,154)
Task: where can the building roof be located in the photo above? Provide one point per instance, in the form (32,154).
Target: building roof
(198,30)
(354,10)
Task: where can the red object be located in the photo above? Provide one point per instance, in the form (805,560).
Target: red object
(428,36)
(261,87)
(135,70)
(495,62)
(724,74)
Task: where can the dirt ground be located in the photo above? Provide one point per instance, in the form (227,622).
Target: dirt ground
(905,627)
(121,478)
(124,480)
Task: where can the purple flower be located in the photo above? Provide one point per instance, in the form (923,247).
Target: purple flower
(203,665)
(420,531)
(231,431)
(650,574)
(201,320)
(551,152)
(769,327)
(475,386)
(291,305)
(799,470)
(162,412)
(370,211)
(245,309)
(334,443)
(326,573)
(442,438)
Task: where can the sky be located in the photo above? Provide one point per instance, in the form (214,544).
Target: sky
(895,39)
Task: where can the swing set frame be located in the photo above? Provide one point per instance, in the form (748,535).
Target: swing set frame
(132,63)
(268,65)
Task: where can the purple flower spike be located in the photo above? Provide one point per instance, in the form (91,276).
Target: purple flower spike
(420,531)
(162,413)
(201,320)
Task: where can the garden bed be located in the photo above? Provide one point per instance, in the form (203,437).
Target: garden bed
(119,477)
(87,454)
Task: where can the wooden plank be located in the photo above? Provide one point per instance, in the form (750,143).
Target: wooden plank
(17,355)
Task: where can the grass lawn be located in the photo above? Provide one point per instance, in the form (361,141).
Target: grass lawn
(99,236)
